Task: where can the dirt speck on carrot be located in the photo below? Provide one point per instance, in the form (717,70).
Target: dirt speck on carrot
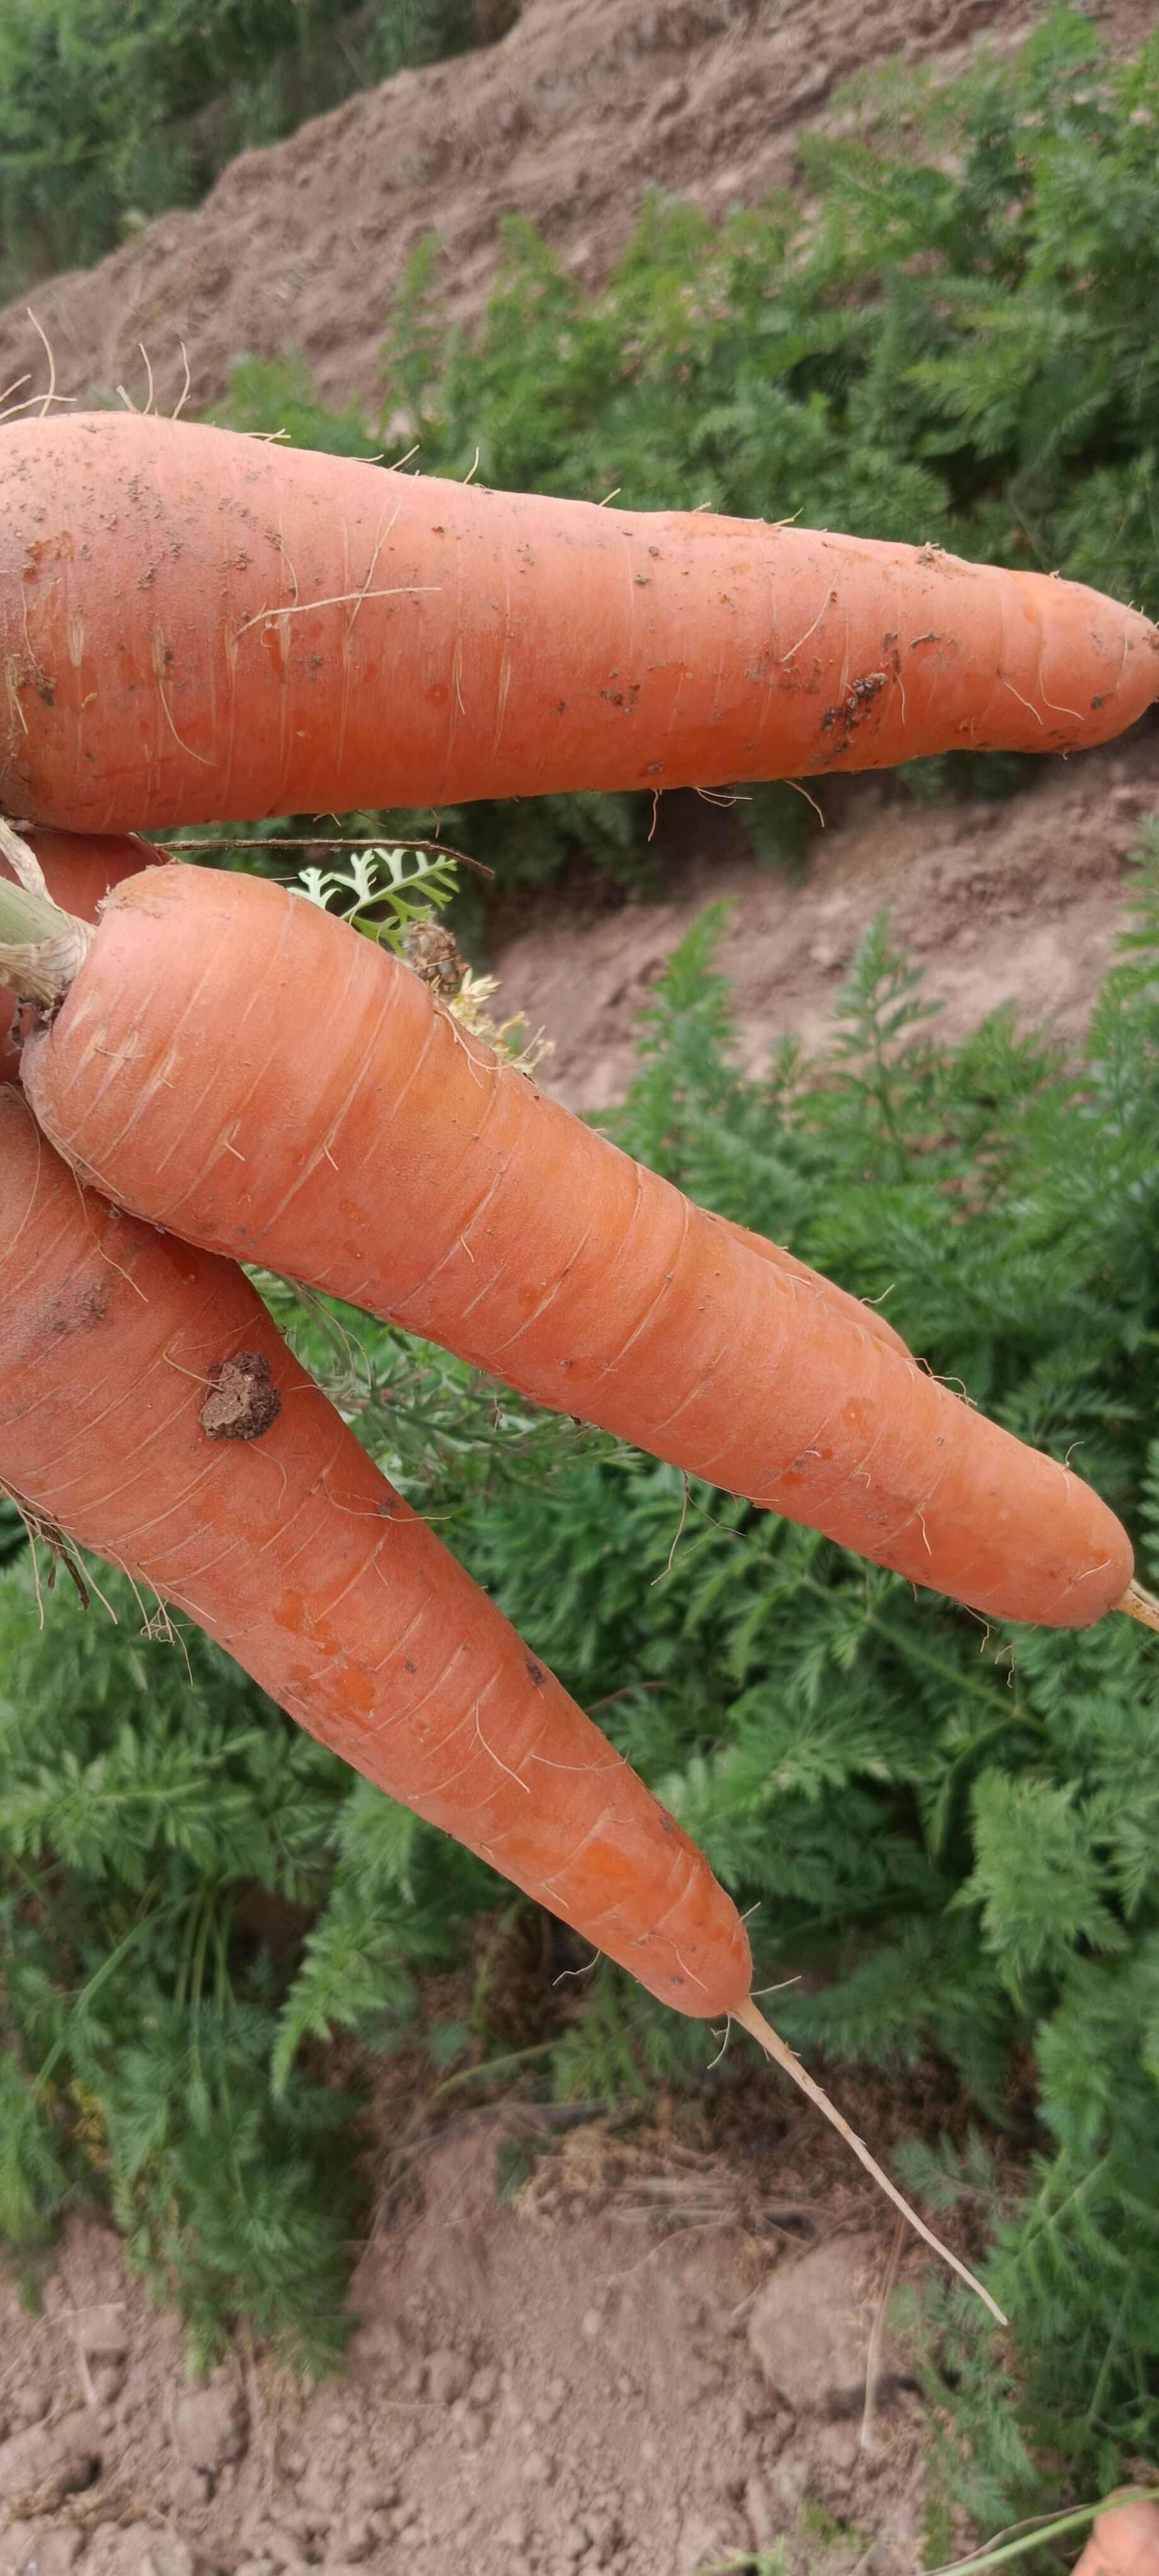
(243,1401)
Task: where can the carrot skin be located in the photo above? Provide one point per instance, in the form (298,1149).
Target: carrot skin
(813,1281)
(295,1555)
(195,625)
(79,871)
(398,1164)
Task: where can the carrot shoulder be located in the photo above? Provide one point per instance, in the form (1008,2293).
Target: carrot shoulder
(197,625)
(394,1161)
(78,871)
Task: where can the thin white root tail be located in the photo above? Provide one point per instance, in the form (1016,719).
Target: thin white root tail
(782,2055)
(1140,1605)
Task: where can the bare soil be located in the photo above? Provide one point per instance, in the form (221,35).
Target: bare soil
(1012,902)
(656,2358)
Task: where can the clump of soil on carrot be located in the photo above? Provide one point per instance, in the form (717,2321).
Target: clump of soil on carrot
(243,1400)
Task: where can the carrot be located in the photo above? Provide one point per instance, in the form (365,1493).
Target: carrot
(197,625)
(854,1308)
(78,872)
(398,1164)
(150,1410)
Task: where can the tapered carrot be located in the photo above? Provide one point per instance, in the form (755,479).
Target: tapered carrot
(815,1284)
(149,1410)
(278,1535)
(198,625)
(396,1162)
(78,870)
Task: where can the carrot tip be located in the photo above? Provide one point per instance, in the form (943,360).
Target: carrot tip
(782,2055)
(1140,1605)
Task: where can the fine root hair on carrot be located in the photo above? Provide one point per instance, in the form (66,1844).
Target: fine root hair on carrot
(160,1631)
(340,599)
(351,1349)
(159,651)
(187,387)
(1055,704)
(41,1532)
(1017,693)
(497,1758)
(782,2055)
(585,1971)
(827,602)
(52,395)
(127,400)
(32,1530)
(662,1578)
(798,790)
(1141,1605)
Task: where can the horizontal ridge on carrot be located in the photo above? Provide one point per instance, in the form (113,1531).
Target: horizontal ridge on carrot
(197,625)
(398,1164)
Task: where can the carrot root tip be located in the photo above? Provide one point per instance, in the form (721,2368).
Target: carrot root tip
(782,2055)
(1140,1605)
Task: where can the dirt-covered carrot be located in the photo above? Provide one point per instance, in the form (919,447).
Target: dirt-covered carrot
(197,625)
(78,870)
(150,1411)
(235,1064)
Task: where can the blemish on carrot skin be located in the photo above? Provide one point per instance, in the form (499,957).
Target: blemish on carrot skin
(535,1670)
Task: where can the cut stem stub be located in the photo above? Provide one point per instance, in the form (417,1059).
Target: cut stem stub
(41,947)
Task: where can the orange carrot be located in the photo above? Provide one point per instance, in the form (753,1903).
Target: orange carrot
(854,1308)
(397,1163)
(278,1535)
(197,625)
(150,1410)
(78,872)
